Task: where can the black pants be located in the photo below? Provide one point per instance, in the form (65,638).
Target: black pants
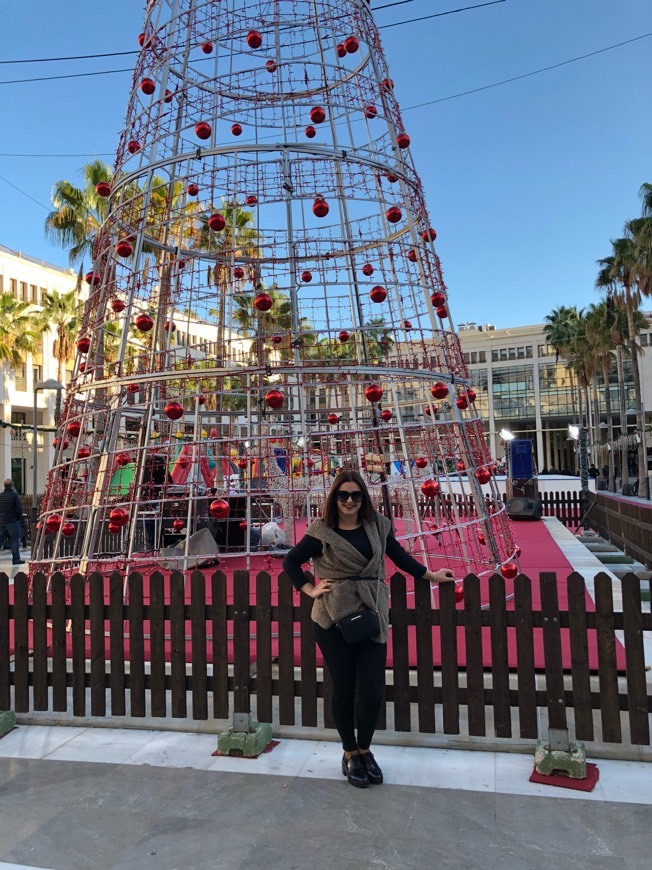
(358,674)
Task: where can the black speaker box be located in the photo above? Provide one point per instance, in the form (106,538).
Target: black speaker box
(524,508)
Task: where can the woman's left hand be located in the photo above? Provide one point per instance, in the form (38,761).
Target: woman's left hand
(444,575)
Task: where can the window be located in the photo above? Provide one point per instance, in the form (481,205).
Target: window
(520,353)
(2,283)
(23,292)
(466,358)
(21,378)
(494,356)
(512,353)
(643,339)
(503,354)
(42,292)
(482,356)
(37,374)
(474,357)
(18,417)
(13,286)
(528,351)
(33,293)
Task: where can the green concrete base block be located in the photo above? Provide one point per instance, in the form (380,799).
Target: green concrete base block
(556,762)
(247,744)
(7,722)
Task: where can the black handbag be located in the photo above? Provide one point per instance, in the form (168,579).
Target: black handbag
(362,625)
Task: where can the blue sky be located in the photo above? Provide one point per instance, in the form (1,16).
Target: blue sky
(525,183)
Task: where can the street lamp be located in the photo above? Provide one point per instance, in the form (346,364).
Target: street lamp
(42,386)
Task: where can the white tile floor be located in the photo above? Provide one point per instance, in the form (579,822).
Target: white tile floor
(502,773)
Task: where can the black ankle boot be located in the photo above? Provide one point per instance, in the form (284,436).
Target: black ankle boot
(355,771)
(374,773)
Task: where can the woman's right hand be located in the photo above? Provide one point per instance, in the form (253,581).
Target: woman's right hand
(322,588)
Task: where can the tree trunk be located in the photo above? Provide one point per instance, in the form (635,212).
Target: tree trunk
(640,415)
(606,360)
(623,416)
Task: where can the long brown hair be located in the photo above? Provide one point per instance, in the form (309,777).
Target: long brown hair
(330,514)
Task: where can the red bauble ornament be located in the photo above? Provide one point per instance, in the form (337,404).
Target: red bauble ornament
(439,390)
(386,415)
(124,248)
(378,294)
(370,112)
(460,466)
(306,277)
(320,207)
(374,393)
(168,97)
(310,132)
(277,339)
(430,488)
(274,398)
(403,140)
(177,525)
(238,272)
(82,367)
(201,399)
(393,214)
(167,326)
(243,525)
(144,322)
(438,299)
(333,419)
(242,463)
(207,47)
(254,39)
(216,222)
(184,462)
(83,344)
(122,459)
(68,529)
(421,462)
(344,336)
(142,39)
(133,147)
(114,529)
(471,395)
(133,388)
(351,44)
(53,523)
(65,444)
(481,539)
(147,86)
(251,200)
(430,411)
(193,189)
(483,475)
(387,85)
(407,324)
(203,130)
(236,129)
(174,410)
(459,592)
(119,517)
(412,255)
(263,302)
(318,115)
(517,552)
(84,452)
(509,570)
(117,305)
(73,428)
(442,312)
(429,235)
(368,270)
(270,66)
(392,178)
(103,189)
(341,51)
(461,403)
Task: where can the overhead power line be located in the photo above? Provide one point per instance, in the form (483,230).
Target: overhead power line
(440,14)
(71,57)
(105,72)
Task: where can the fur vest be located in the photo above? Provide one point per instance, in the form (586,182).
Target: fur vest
(340,561)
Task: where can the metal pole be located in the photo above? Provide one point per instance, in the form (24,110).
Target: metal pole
(35,465)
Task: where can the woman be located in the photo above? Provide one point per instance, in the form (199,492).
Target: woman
(348,547)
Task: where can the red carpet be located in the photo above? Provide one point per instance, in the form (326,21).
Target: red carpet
(586,784)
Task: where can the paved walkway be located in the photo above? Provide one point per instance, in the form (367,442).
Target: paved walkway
(114,798)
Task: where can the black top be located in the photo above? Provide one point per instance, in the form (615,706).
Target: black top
(309,547)
(11,507)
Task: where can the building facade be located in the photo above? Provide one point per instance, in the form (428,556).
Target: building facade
(521,386)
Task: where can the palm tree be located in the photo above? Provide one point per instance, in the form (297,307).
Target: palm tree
(78,212)
(620,270)
(18,335)
(561,331)
(61,314)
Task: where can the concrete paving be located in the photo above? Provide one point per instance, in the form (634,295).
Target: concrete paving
(158,800)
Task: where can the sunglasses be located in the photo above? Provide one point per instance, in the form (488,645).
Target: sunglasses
(343,497)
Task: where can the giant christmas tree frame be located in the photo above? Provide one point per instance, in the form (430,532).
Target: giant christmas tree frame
(266,306)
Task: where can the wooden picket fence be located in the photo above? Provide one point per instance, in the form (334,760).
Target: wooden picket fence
(87,647)
(627,524)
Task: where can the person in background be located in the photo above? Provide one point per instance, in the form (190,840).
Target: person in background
(348,546)
(593,471)
(11,516)
(155,476)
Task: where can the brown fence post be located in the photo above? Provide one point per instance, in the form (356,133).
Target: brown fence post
(244,738)
(639,725)
(7,717)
